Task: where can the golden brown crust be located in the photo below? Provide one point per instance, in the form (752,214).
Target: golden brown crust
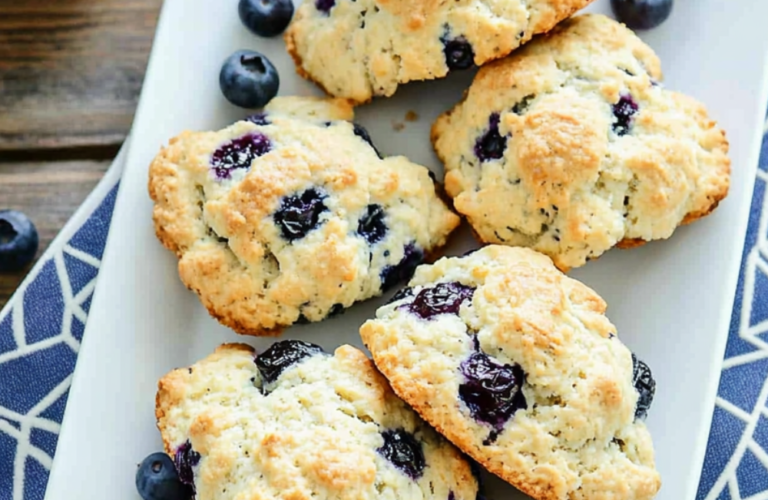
(366,48)
(314,433)
(571,182)
(577,436)
(232,253)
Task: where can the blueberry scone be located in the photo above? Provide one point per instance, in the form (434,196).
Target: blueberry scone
(358,49)
(297,423)
(292,215)
(571,146)
(516,364)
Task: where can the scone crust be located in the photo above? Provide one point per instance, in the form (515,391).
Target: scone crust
(314,436)
(578,437)
(568,184)
(231,252)
(366,48)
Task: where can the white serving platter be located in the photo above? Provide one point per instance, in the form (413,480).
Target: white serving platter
(671,300)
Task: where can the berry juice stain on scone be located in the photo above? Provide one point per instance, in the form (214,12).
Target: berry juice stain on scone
(359,49)
(517,365)
(571,147)
(292,215)
(329,428)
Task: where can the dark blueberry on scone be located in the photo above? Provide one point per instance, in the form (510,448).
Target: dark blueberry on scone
(360,49)
(569,146)
(291,215)
(518,366)
(645,386)
(330,427)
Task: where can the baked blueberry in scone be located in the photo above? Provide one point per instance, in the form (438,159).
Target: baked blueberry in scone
(292,215)
(359,49)
(294,422)
(517,365)
(571,146)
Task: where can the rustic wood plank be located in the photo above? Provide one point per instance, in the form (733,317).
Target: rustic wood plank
(71,70)
(48,193)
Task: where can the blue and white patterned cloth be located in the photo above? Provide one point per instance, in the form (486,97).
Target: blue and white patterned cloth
(42,326)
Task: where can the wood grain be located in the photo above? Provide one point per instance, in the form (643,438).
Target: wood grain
(49,193)
(71,71)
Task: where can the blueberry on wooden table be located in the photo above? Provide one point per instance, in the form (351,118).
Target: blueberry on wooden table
(157,479)
(642,14)
(265,18)
(18,241)
(248,79)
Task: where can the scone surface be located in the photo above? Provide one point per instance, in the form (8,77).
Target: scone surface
(300,425)
(358,49)
(571,146)
(292,216)
(518,366)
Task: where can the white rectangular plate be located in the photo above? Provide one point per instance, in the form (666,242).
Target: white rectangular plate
(671,300)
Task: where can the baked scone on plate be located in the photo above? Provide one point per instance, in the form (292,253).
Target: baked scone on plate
(517,365)
(292,215)
(294,422)
(359,49)
(571,146)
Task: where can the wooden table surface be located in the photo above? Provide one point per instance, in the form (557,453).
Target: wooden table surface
(70,76)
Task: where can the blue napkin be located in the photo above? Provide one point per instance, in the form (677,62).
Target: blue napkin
(42,326)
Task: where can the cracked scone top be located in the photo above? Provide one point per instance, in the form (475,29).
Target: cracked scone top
(570,146)
(297,423)
(517,365)
(292,216)
(358,49)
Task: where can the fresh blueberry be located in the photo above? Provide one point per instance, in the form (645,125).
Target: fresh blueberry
(299,214)
(258,119)
(157,479)
(491,145)
(362,133)
(623,111)
(645,385)
(404,452)
(325,5)
(248,79)
(403,270)
(18,241)
(642,14)
(274,361)
(492,391)
(371,225)
(458,53)
(185,459)
(239,153)
(443,298)
(266,17)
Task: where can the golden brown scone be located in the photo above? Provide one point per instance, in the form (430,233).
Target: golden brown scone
(358,49)
(571,146)
(296,423)
(517,365)
(292,216)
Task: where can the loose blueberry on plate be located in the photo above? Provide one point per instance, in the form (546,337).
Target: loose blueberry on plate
(157,479)
(266,18)
(248,79)
(404,452)
(642,14)
(18,241)
(274,361)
